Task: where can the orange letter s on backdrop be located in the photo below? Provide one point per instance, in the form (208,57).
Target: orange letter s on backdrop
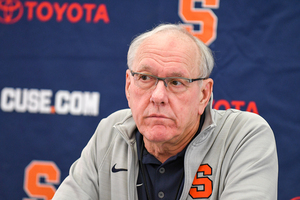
(201,16)
(36,170)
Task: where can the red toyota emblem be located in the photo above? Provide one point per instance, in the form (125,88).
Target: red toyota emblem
(11,11)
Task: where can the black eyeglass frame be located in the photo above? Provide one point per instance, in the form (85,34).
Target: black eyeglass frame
(189,80)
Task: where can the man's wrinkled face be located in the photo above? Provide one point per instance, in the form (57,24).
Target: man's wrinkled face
(160,114)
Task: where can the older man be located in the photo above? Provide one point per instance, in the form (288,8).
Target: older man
(171,144)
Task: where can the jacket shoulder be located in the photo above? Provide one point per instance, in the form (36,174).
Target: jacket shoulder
(238,116)
(119,116)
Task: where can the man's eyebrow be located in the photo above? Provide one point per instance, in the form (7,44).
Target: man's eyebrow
(145,68)
(150,69)
(176,74)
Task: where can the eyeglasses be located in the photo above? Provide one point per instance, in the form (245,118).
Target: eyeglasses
(175,84)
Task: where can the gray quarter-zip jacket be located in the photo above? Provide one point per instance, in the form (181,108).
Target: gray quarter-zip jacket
(233,157)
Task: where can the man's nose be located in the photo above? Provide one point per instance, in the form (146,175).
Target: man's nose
(159,94)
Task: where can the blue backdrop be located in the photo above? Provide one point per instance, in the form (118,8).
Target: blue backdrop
(63,63)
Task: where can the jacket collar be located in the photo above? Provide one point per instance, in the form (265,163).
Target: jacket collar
(209,114)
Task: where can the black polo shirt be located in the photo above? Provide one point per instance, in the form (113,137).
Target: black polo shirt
(163,180)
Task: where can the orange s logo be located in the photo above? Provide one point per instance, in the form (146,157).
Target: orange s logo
(32,183)
(202,186)
(204,17)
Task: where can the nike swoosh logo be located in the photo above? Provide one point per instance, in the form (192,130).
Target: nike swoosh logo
(114,169)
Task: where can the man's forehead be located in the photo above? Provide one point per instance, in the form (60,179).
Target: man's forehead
(169,42)
(177,45)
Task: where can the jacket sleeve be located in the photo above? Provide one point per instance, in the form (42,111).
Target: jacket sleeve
(90,176)
(82,182)
(252,169)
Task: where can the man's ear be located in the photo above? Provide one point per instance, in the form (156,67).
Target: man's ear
(206,91)
(127,86)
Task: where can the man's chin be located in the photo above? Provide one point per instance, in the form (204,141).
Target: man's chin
(158,135)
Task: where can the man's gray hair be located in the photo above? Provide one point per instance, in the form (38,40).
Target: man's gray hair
(206,63)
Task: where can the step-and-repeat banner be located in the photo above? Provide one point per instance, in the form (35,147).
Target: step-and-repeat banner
(63,63)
